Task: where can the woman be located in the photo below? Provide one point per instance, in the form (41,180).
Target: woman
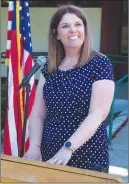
(73,98)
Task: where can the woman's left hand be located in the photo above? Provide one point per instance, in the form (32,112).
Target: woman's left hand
(62,157)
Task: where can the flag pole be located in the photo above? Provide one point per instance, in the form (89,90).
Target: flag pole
(28,89)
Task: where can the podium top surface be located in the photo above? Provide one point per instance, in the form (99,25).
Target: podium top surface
(19,169)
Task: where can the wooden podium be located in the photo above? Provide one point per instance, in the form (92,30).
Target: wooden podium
(19,170)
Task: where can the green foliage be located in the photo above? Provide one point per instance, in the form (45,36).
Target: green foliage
(5,1)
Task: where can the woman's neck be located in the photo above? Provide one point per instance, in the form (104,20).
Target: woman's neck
(72,53)
(69,62)
(71,58)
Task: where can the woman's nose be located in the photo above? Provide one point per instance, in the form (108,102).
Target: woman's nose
(72,29)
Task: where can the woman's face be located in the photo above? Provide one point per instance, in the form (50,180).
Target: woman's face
(71,31)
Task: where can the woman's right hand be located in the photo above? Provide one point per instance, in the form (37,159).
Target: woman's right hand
(33,153)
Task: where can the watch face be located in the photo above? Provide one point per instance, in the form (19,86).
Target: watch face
(68,144)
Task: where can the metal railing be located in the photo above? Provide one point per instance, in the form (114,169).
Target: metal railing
(117,91)
(34,54)
(123,82)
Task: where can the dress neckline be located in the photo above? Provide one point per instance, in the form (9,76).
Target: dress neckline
(71,69)
(78,67)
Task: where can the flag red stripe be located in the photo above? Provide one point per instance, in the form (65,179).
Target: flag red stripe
(27,144)
(10,14)
(28,66)
(9,35)
(16,98)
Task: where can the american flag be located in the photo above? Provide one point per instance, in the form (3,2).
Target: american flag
(20,61)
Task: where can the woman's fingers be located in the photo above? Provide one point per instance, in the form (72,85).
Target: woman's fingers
(52,161)
(65,162)
(32,158)
(59,162)
(40,159)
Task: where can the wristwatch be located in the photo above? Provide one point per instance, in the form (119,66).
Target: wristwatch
(68,146)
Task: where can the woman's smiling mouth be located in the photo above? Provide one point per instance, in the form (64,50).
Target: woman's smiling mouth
(73,37)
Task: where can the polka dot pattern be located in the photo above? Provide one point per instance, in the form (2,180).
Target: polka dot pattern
(67,96)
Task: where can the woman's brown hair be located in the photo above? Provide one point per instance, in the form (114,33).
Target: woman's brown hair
(55,48)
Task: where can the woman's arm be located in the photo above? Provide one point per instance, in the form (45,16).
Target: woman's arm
(101,100)
(37,115)
(36,122)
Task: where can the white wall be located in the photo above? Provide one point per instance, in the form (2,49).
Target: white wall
(94,16)
(40,18)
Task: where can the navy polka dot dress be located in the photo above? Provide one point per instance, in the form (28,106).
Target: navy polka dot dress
(67,96)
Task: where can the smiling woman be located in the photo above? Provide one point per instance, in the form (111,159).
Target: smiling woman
(67,23)
(73,98)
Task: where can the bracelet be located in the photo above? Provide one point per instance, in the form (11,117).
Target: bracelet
(35,145)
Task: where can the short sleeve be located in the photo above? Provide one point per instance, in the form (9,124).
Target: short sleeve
(103,69)
(44,70)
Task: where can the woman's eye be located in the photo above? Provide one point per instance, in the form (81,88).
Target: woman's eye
(78,24)
(65,26)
